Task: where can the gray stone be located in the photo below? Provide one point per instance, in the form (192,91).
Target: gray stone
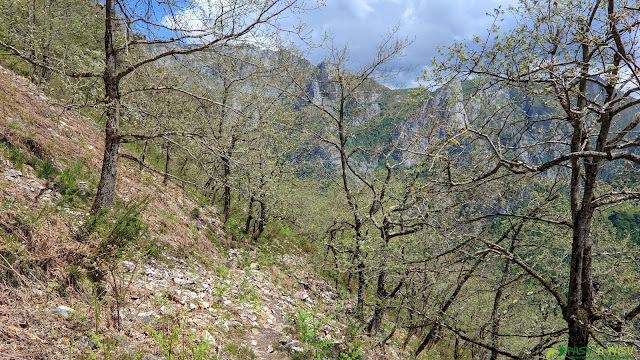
(146,317)
(12,173)
(292,346)
(152,357)
(62,310)
(88,342)
(182,282)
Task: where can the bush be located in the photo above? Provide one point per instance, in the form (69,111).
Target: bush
(627,223)
(278,230)
(47,170)
(195,213)
(307,327)
(73,180)
(117,230)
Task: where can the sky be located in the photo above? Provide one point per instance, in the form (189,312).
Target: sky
(361,24)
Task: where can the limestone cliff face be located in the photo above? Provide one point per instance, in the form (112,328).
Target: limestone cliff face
(324,88)
(438,114)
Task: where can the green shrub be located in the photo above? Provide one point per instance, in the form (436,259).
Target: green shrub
(179,343)
(307,326)
(15,155)
(239,351)
(47,170)
(195,213)
(70,182)
(152,249)
(117,230)
(627,223)
(278,230)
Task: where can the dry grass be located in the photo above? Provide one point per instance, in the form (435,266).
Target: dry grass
(39,258)
(34,267)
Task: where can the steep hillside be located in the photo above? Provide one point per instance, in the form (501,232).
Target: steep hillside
(156,278)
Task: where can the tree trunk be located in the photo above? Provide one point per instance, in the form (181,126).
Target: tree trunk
(495,320)
(45,74)
(226,165)
(108,175)
(214,195)
(381,293)
(33,42)
(211,190)
(262,220)
(167,165)
(361,281)
(578,316)
(183,165)
(359,311)
(407,338)
(249,216)
(227,189)
(181,172)
(143,155)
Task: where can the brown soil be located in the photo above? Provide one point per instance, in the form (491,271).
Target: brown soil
(195,289)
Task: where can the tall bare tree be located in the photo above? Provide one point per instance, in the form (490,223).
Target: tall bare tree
(138,34)
(577,62)
(220,24)
(337,96)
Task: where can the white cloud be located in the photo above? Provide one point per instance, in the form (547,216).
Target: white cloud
(360,8)
(361,24)
(217,17)
(408,16)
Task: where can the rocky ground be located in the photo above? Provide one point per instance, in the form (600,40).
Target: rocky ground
(235,302)
(197,295)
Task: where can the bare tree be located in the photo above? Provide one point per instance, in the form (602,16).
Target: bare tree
(335,99)
(577,62)
(218,26)
(139,34)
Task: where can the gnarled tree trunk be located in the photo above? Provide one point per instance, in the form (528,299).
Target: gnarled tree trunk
(108,175)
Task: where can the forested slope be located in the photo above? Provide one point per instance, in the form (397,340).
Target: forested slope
(157,277)
(491,215)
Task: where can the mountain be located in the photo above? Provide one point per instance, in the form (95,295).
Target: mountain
(157,277)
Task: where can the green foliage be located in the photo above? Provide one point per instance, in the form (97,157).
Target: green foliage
(195,213)
(278,229)
(19,155)
(53,32)
(68,181)
(117,230)
(212,235)
(16,156)
(154,156)
(15,232)
(152,249)
(47,170)
(179,343)
(239,351)
(307,327)
(75,182)
(395,107)
(627,223)
(222,271)
(105,349)
(377,134)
